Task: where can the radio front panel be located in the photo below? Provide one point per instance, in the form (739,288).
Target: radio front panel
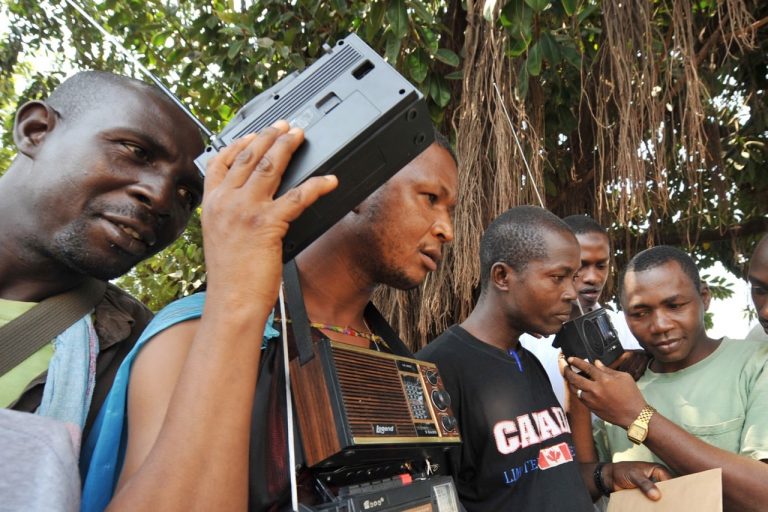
(369,400)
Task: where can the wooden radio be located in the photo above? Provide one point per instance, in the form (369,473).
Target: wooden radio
(357,405)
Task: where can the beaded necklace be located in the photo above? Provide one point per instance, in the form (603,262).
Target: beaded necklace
(348,331)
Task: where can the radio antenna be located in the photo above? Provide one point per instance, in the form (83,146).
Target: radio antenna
(519,146)
(136,62)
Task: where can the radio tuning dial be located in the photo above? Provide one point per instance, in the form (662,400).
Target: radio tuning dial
(449,423)
(431,376)
(441,399)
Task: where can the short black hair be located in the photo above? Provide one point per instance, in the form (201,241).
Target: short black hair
(516,237)
(442,141)
(660,255)
(583,224)
(76,95)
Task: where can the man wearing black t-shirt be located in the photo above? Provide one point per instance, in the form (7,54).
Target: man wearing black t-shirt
(517,450)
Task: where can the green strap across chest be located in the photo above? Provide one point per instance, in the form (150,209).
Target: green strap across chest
(26,334)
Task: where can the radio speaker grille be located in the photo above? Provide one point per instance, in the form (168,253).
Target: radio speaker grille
(367,387)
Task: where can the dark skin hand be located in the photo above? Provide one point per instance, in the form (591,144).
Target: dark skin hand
(615,397)
(633,362)
(618,476)
(610,394)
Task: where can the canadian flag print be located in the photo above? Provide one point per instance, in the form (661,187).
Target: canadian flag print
(554,456)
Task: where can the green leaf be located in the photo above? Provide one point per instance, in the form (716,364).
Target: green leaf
(572,56)
(228,17)
(538,5)
(587,12)
(570,6)
(417,66)
(517,47)
(374,20)
(212,21)
(397,15)
(234,49)
(549,48)
(297,61)
(290,35)
(436,113)
(533,62)
(439,91)
(447,56)
(392,51)
(224,110)
(517,18)
(455,75)
(421,11)
(265,42)
(159,39)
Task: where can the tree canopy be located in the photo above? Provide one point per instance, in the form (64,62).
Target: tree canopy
(649,115)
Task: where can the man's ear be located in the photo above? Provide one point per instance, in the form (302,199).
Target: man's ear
(34,120)
(501,276)
(706,295)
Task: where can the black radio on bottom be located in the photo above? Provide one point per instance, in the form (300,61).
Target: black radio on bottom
(436,494)
(591,336)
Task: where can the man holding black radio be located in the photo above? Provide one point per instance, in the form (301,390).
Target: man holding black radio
(701,404)
(595,248)
(517,450)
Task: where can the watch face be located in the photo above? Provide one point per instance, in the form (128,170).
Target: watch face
(636,433)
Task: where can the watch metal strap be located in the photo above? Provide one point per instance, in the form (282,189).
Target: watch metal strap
(645,415)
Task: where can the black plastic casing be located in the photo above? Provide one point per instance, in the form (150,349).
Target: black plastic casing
(362,122)
(591,336)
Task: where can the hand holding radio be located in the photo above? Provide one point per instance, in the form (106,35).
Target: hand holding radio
(243,225)
(611,394)
(633,362)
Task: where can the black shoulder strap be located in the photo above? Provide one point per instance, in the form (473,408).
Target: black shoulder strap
(380,326)
(300,321)
(28,333)
(302,333)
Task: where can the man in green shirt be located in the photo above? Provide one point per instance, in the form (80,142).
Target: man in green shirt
(701,404)
(104,177)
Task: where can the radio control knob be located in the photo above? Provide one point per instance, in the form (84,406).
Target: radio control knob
(431,376)
(441,399)
(449,423)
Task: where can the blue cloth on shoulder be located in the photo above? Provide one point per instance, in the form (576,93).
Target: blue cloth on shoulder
(103,454)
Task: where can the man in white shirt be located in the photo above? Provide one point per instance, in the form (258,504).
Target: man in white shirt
(589,282)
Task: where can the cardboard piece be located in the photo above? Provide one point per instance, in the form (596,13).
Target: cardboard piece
(702,492)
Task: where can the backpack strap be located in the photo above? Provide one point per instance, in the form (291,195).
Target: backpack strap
(28,333)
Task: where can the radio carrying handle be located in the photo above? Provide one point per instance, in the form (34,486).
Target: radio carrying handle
(302,333)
